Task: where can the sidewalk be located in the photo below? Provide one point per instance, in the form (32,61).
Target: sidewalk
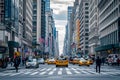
(10,68)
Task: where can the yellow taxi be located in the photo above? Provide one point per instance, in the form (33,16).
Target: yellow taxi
(90,61)
(62,62)
(75,61)
(84,62)
(51,61)
(46,61)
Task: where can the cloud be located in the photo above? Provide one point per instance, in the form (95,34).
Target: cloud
(60,5)
(67,2)
(60,14)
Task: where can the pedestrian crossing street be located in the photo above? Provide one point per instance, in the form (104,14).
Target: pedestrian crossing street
(59,71)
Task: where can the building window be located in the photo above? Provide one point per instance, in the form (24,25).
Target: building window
(86,8)
(86,34)
(86,38)
(86,30)
(87,21)
(86,12)
(86,46)
(86,17)
(86,4)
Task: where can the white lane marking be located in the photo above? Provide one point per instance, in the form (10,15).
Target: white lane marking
(43,69)
(50,73)
(54,69)
(61,69)
(13,74)
(60,72)
(42,73)
(76,71)
(34,73)
(27,72)
(68,72)
(67,69)
(4,74)
(73,69)
(48,69)
(84,72)
(92,72)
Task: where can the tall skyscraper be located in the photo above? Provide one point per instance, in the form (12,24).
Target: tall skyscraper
(93,26)
(47,5)
(27,29)
(84,25)
(109,26)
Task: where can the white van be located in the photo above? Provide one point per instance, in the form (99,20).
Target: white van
(112,59)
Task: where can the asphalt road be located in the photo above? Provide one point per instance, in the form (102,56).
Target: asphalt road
(73,72)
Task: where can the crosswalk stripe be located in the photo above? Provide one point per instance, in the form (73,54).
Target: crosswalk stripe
(2,74)
(42,73)
(68,72)
(60,72)
(34,73)
(67,69)
(43,69)
(50,73)
(27,72)
(54,69)
(49,69)
(84,72)
(76,71)
(91,72)
(14,74)
(73,69)
(61,69)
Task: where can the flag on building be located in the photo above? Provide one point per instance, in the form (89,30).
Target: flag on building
(73,45)
(41,40)
(46,42)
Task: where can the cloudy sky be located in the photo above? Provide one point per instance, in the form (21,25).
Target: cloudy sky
(60,16)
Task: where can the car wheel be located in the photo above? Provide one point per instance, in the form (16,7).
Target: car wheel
(56,65)
(79,65)
(88,65)
(66,65)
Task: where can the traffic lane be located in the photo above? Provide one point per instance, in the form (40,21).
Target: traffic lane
(64,78)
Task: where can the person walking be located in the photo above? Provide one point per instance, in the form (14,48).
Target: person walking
(98,64)
(103,61)
(16,63)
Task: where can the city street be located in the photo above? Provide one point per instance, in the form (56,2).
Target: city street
(73,72)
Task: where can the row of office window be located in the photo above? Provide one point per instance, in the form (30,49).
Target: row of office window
(109,28)
(108,9)
(112,16)
(110,39)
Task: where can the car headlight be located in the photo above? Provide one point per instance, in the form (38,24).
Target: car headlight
(35,63)
(26,63)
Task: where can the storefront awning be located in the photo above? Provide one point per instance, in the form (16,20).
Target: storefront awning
(13,44)
(106,47)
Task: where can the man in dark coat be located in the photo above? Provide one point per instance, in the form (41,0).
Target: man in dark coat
(98,64)
(16,63)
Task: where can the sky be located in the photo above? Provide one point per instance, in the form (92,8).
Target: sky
(60,17)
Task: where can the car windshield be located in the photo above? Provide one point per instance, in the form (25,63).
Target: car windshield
(82,59)
(40,59)
(30,60)
(61,59)
(34,60)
